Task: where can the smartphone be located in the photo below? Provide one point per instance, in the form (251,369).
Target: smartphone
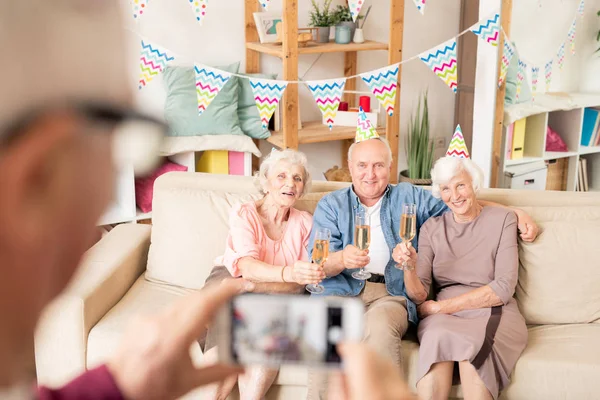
(269,329)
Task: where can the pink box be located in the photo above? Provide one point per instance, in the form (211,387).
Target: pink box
(236,163)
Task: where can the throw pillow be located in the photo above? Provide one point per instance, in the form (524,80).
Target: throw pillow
(144,187)
(181,106)
(247,112)
(511,83)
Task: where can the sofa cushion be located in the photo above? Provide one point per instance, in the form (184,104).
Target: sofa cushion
(560,362)
(559,275)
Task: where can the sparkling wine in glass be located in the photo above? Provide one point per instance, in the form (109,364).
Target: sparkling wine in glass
(320,254)
(362,239)
(408,224)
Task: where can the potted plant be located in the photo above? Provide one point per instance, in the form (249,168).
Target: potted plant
(321,18)
(419,147)
(344,26)
(598,35)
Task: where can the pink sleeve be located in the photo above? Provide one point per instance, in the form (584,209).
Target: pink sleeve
(95,384)
(242,240)
(307,222)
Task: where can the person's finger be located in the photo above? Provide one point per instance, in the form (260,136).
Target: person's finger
(338,387)
(214,373)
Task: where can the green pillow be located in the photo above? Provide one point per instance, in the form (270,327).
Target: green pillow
(181,106)
(511,83)
(247,112)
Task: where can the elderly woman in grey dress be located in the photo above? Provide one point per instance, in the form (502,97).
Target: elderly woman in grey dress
(472,330)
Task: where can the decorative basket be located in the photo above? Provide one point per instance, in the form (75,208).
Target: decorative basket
(403,177)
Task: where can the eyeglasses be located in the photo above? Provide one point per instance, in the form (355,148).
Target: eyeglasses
(137,137)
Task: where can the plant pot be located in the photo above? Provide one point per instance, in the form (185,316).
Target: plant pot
(349,24)
(403,177)
(343,34)
(322,34)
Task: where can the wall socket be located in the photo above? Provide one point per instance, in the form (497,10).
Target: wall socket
(439,142)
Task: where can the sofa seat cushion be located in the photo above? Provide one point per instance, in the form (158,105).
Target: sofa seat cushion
(143,298)
(559,362)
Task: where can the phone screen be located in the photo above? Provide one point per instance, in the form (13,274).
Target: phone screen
(271,329)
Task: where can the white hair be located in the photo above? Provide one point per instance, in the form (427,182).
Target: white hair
(293,157)
(381,139)
(447,168)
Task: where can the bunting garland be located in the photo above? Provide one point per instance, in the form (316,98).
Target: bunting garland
(267,94)
(265,4)
(355,6)
(420,6)
(199,8)
(560,56)
(548,74)
(153,60)
(520,76)
(384,83)
(507,55)
(489,30)
(364,128)
(443,62)
(535,71)
(139,7)
(571,35)
(581,8)
(209,82)
(328,95)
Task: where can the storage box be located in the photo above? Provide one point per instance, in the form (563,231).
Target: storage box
(558,171)
(214,162)
(236,163)
(530,176)
(350,118)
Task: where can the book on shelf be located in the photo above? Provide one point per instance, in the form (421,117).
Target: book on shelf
(582,176)
(591,126)
(518,139)
(509,139)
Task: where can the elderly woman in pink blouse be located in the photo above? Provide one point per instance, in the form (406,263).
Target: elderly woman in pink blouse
(267,244)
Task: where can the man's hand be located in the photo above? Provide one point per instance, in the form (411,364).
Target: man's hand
(430,307)
(153,360)
(304,273)
(367,376)
(528,229)
(353,257)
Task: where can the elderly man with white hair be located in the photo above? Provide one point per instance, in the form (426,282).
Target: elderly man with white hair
(473,326)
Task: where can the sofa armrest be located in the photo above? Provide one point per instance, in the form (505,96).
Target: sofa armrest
(106,273)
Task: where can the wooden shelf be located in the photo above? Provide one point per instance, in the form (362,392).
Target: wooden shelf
(317,48)
(316,132)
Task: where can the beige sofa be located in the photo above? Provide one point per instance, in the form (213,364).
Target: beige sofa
(140,269)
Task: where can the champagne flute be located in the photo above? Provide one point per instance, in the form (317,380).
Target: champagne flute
(408,225)
(362,239)
(319,255)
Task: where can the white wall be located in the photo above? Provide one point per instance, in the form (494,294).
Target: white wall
(538,31)
(220,41)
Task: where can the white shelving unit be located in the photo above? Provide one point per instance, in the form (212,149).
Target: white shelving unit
(569,125)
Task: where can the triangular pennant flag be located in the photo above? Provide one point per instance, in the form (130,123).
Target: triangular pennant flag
(443,62)
(548,74)
(384,83)
(355,6)
(139,8)
(535,71)
(507,55)
(265,4)
(520,76)
(364,128)
(153,61)
(267,94)
(328,95)
(488,30)
(199,8)
(420,5)
(209,82)
(581,8)
(457,147)
(571,35)
(560,56)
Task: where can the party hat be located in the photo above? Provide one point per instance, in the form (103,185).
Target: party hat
(364,129)
(457,147)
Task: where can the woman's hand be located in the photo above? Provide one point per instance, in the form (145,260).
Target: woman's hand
(430,307)
(405,252)
(354,258)
(305,273)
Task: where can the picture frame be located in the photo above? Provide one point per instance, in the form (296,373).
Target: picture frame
(266,25)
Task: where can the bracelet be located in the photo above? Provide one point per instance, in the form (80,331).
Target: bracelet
(282,271)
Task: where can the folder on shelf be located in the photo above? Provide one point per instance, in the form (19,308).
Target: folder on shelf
(518,141)
(236,163)
(590,126)
(509,141)
(214,162)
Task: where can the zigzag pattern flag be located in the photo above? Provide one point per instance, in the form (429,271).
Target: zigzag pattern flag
(139,7)
(535,71)
(153,60)
(267,94)
(209,82)
(199,8)
(384,83)
(581,8)
(265,4)
(488,30)
(364,128)
(507,55)
(443,62)
(457,147)
(560,56)
(571,35)
(520,76)
(548,74)
(420,5)
(355,6)
(328,95)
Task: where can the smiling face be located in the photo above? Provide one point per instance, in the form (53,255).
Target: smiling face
(458,194)
(285,183)
(370,168)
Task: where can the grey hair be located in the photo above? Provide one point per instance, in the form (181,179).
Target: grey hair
(381,139)
(293,157)
(447,168)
